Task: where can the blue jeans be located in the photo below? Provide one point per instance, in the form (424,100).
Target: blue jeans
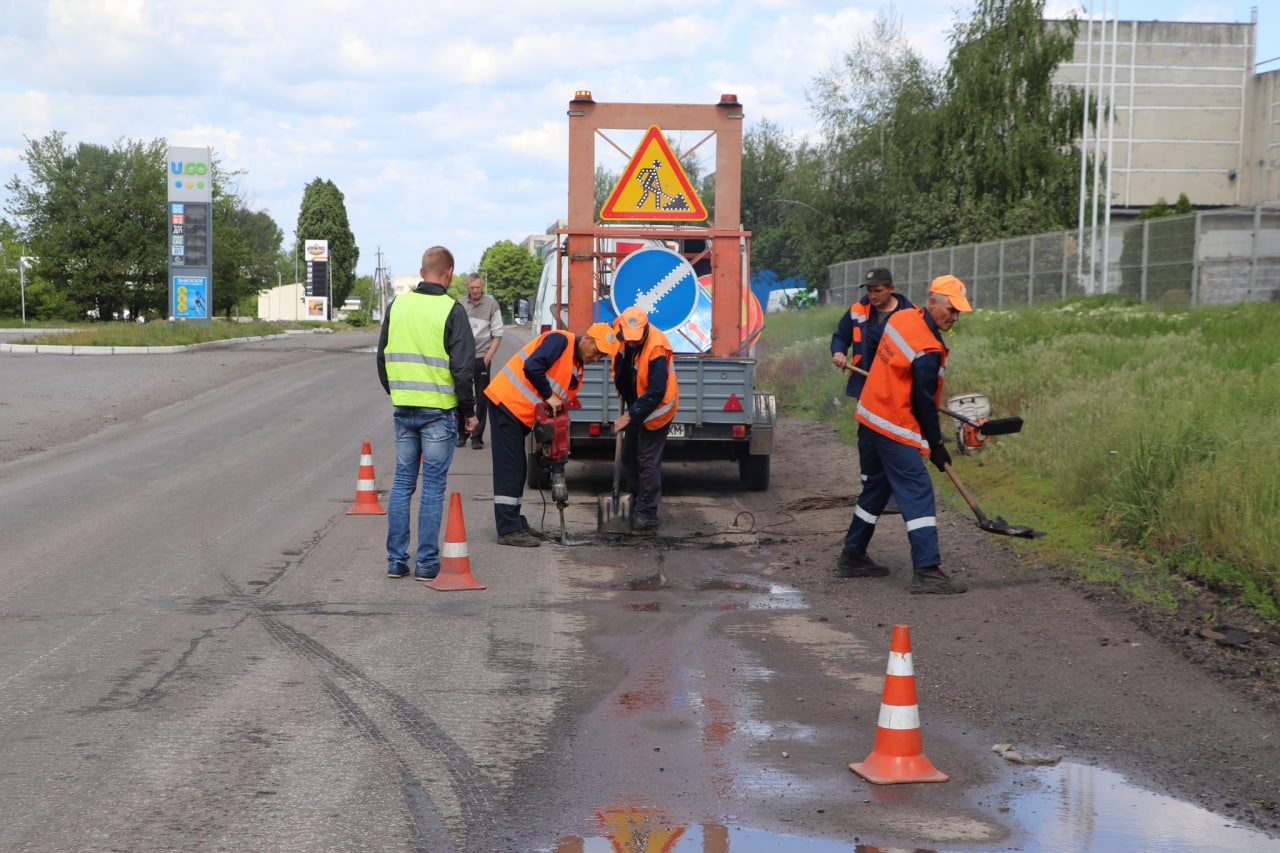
(429,435)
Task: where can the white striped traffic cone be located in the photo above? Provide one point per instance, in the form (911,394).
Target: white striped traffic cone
(366,488)
(898,754)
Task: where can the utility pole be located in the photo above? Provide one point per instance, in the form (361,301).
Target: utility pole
(379,295)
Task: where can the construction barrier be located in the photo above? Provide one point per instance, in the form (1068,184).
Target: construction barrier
(455,562)
(366,487)
(898,754)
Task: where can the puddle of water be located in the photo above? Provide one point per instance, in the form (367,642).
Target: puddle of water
(1072,808)
(1069,808)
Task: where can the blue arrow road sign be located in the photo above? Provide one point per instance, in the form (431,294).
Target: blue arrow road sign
(660,282)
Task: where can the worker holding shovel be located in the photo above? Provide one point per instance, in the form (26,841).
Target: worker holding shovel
(854,343)
(646,381)
(899,408)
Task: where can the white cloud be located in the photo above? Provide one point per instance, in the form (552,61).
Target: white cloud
(439,122)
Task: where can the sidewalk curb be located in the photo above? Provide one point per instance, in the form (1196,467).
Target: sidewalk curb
(64,349)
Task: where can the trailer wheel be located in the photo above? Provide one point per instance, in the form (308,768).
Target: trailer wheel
(753,470)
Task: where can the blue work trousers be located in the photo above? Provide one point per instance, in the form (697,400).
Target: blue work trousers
(510,469)
(894,468)
(642,467)
(427,435)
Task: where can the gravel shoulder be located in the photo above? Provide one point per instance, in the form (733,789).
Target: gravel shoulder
(1035,656)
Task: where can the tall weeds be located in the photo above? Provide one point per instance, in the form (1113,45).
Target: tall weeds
(1164,427)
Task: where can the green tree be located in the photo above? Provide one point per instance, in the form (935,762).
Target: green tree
(878,109)
(246,248)
(1006,132)
(509,271)
(767,162)
(94,218)
(323,216)
(10,283)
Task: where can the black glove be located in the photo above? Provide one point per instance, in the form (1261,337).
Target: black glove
(939,456)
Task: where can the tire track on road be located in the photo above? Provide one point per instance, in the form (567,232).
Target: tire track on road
(477,800)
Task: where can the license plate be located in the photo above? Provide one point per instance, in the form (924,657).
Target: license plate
(676,431)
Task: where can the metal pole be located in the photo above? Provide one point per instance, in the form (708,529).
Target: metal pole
(22,284)
(1111,138)
(1084,148)
(1097,160)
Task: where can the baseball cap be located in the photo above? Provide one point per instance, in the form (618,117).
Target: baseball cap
(605,340)
(954,289)
(877,275)
(632,323)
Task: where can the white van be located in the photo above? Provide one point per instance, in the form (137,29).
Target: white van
(546,307)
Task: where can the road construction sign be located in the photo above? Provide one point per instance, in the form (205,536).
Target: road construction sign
(654,187)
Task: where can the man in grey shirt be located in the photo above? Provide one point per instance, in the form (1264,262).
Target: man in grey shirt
(486,324)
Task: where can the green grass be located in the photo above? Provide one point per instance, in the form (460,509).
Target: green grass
(1150,434)
(164,334)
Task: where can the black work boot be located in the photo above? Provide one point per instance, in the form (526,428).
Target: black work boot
(854,565)
(931,580)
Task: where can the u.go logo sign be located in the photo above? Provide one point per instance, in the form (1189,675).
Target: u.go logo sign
(180,168)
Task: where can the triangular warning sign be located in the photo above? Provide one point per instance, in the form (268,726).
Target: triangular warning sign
(633,829)
(654,187)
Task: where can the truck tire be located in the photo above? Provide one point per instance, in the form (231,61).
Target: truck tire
(753,470)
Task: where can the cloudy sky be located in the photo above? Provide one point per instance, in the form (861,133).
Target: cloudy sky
(440,122)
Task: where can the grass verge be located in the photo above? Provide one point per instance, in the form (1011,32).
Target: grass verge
(1149,436)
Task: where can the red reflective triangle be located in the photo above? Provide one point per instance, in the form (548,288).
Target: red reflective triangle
(733,404)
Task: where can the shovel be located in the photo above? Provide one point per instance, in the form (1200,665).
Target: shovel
(614,513)
(996,525)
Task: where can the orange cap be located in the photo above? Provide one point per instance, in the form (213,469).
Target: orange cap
(954,289)
(606,341)
(633,323)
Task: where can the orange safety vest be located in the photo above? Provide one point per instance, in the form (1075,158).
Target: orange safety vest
(859,314)
(885,404)
(656,345)
(511,388)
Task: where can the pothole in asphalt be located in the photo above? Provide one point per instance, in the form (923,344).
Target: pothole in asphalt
(652,583)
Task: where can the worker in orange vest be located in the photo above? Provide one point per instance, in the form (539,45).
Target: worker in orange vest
(548,368)
(859,330)
(645,377)
(899,406)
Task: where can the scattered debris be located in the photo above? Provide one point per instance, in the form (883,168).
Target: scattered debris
(1225,635)
(1008,753)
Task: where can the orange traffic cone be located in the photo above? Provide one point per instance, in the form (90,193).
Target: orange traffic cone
(455,564)
(366,489)
(898,755)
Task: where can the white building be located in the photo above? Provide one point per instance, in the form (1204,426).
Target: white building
(1191,113)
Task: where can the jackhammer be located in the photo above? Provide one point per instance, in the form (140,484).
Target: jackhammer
(549,454)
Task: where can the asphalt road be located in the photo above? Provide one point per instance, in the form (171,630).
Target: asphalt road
(200,650)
